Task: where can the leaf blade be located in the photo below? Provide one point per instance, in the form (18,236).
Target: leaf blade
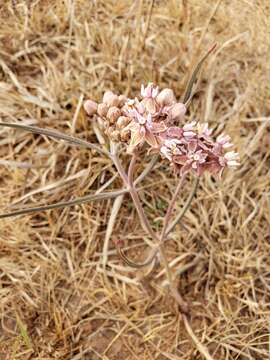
(60,205)
(188,91)
(56,135)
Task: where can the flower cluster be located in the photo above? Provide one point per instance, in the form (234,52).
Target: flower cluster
(155,120)
(112,115)
(192,148)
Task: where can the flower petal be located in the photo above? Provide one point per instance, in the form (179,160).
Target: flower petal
(158,127)
(151,139)
(133,126)
(181,159)
(136,138)
(192,145)
(175,132)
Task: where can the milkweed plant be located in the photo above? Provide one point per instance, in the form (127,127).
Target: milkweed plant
(154,122)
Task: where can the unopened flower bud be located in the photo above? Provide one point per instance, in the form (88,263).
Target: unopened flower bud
(122,122)
(109,131)
(106,123)
(150,105)
(107,95)
(125,135)
(122,100)
(178,111)
(113,114)
(102,109)
(115,135)
(166,97)
(110,99)
(90,107)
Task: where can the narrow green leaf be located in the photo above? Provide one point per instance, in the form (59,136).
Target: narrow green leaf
(56,135)
(185,207)
(63,204)
(81,200)
(188,91)
(24,334)
(147,169)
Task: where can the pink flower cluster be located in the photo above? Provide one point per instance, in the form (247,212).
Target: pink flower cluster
(192,148)
(155,120)
(152,116)
(111,116)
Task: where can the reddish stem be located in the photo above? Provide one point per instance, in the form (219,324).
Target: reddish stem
(170,208)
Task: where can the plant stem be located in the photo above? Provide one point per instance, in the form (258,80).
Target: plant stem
(118,164)
(146,171)
(128,181)
(142,216)
(182,304)
(169,228)
(135,197)
(185,207)
(170,208)
(131,169)
(137,202)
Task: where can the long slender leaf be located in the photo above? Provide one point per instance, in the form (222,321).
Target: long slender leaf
(185,207)
(81,200)
(188,91)
(59,205)
(110,225)
(147,169)
(56,135)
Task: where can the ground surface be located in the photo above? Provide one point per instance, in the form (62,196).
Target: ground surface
(57,301)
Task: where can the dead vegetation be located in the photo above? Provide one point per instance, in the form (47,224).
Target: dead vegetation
(59,299)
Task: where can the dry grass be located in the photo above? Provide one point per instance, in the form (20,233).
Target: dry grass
(57,300)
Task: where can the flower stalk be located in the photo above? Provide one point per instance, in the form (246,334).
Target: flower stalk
(168,214)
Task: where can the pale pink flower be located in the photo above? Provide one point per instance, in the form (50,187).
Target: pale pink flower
(192,148)
(193,160)
(203,130)
(224,141)
(232,159)
(188,130)
(182,156)
(149,91)
(144,129)
(131,105)
(170,149)
(149,95)
(184,133)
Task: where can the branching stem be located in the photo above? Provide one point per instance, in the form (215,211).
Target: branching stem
(128,181)
(182,304)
